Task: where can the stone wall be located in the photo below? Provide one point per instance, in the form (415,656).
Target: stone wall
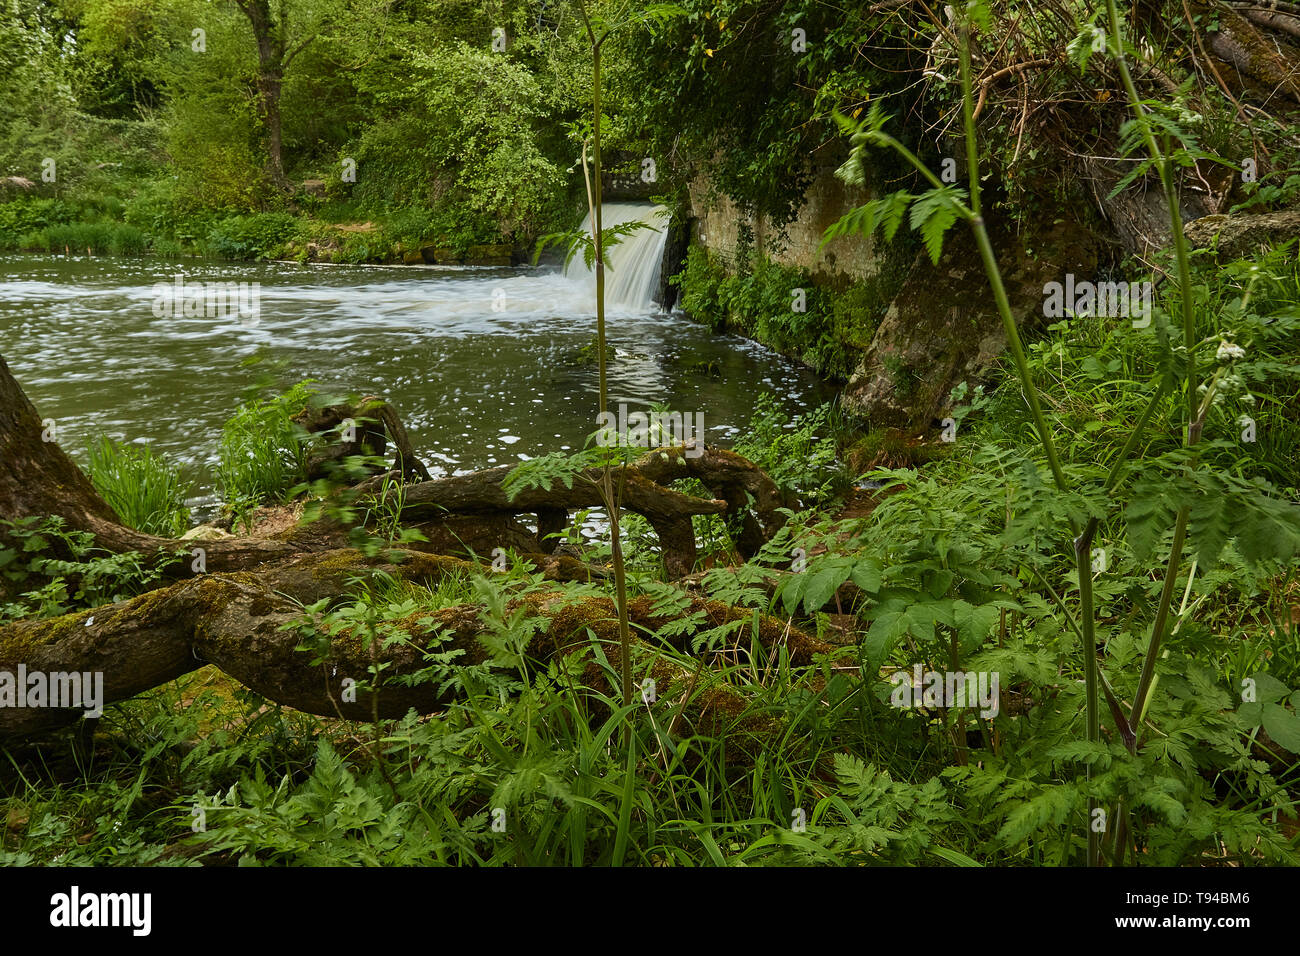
(937,325)
(719,222)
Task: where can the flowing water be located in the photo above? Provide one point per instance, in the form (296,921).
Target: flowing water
(633,262)
(485,366)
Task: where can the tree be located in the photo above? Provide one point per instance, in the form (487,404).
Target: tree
(275,53)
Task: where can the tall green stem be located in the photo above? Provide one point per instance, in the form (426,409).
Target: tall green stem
(1088,650)
(608,491)
(1146,681)
(1169,187)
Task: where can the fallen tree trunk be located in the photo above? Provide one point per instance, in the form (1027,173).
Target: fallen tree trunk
(238,603)
(246,625)
(462,514)
(1239,43)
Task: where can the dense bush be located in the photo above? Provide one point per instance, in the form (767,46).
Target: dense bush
(783,308)
(255,236)
(262,453)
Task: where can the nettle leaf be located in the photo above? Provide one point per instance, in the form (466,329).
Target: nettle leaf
(1283,726)
(868,574)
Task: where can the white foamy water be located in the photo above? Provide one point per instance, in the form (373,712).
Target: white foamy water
(632,266)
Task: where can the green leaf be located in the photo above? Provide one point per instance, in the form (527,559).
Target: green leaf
(1268,689)
(933,214)
(953,857)
(867,574)
(823,584)
(887,628)
(937,581)
(974,623)
(1283,726)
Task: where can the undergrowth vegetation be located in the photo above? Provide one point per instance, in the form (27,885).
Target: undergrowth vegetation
(1101,561)
(816,764)
(263,453)
(144,488)
(784,308)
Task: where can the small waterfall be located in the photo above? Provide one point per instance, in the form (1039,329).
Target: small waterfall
(632,267)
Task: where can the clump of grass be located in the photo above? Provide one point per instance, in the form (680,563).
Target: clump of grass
(146,490)
(262,449)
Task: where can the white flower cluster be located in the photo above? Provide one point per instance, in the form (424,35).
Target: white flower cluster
(1229,352)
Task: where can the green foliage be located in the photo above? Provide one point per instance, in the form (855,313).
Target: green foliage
(147,491)
(445,138)
(783,308)
(63,571)
(1098,367)
(726,84)
(799,455)
(965,564)
(257,236)
(26,214)
(263,451)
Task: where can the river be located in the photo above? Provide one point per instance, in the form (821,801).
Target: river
(484,365)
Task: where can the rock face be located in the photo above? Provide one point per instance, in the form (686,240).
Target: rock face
(943,328)
(720,224)
(1236,236)
(489,255)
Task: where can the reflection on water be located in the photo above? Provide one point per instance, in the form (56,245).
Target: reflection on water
(483,365)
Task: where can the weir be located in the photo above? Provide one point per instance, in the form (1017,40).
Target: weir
(632,266)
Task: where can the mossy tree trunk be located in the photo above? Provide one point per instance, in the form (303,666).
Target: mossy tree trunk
(237,612)
(244,624)
(464,514)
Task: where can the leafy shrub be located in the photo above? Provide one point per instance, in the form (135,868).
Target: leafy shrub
(783,308)
(255,236)
(24,215)
(444,139)
(799,454)
(262,451)
(410,225)
(64,570)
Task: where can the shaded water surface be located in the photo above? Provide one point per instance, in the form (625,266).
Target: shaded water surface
(485,366)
